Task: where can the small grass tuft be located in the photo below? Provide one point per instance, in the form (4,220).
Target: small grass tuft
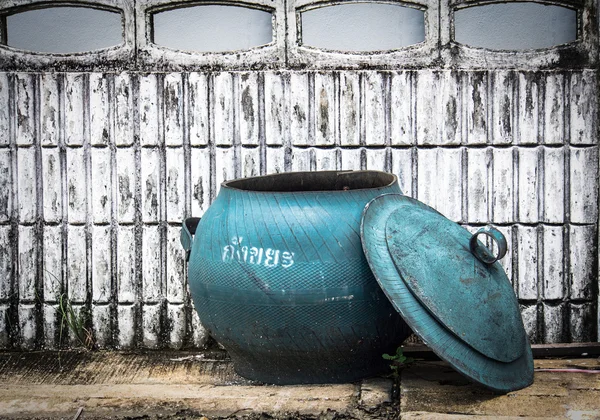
(75,323)
(69,319)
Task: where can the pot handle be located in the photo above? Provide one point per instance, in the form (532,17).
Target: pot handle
(188,229)
(481,252)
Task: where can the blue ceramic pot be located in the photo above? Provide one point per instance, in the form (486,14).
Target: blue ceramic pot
(278,276)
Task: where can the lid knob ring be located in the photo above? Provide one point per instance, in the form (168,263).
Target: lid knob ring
(482,253)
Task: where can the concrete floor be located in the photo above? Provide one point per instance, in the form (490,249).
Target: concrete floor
(185,385)
(433,390)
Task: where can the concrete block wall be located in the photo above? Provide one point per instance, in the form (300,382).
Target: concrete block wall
(99,166)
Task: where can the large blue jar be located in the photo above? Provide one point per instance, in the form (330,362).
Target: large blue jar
(278,276)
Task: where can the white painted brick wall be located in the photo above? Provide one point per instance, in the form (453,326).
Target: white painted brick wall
(97,171)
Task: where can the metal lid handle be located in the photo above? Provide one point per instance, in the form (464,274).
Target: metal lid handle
(482,253)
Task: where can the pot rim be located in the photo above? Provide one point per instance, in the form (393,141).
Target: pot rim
(393,179)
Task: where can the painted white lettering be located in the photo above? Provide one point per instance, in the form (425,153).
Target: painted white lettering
(269,257)
(287,259)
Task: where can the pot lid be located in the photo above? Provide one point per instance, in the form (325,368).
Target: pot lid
(449,288)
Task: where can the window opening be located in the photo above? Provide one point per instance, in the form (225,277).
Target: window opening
(212,28)
(362,27)
(63,29)
(515,26)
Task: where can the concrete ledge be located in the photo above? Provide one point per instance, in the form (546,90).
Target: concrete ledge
(422,415)
(50,401)
(436,389)
(375,392)
(185,385)
(160,384)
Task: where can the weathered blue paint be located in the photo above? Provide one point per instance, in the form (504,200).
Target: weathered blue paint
(462,307)
(470,298)
(278,276)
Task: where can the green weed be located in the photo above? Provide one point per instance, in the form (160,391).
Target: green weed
(398,361)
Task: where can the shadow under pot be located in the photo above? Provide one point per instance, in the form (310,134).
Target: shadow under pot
(278,276)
